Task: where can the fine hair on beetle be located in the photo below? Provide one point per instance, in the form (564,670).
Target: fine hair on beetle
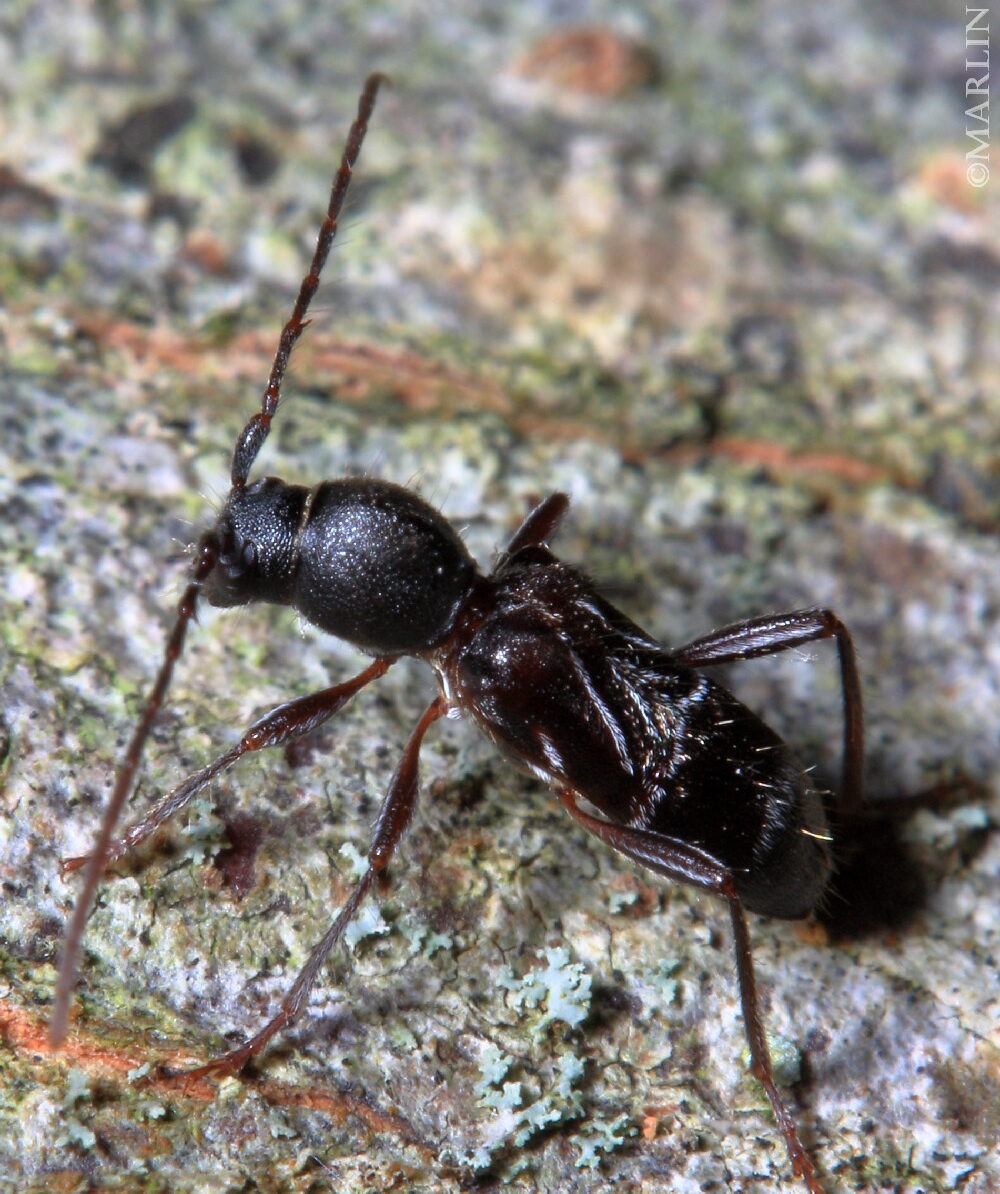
(641,748)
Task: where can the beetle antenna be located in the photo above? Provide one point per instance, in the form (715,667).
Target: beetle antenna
(97,859)
(247,446)
(252,438)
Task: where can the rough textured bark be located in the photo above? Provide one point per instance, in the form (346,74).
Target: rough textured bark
(744,309)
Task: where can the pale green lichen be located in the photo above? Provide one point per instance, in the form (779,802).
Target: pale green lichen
(368,922)
(494,1065)
(423,940)
(538,1097)
(77,1088)
(786,1059)
(621,898)
(356,861)
(564,986)
(74,1132)
(203,834)
(661,976)
(517,1115)
(599,1138)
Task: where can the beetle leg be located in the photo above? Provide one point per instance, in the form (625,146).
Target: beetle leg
(280,725)
(394,816)
(283,724)
(538,526)
(687,864)
(772,633)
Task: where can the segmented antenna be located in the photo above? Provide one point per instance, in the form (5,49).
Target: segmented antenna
(256,431)
(97,859)
(247,446)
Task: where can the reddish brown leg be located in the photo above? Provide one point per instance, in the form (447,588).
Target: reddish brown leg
(281,725)
(539,525)
(781,632)
(687,864)
(394,816)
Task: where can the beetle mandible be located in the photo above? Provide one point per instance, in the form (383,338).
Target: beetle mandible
(654,758)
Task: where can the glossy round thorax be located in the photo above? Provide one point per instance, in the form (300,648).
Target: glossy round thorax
(363,559)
